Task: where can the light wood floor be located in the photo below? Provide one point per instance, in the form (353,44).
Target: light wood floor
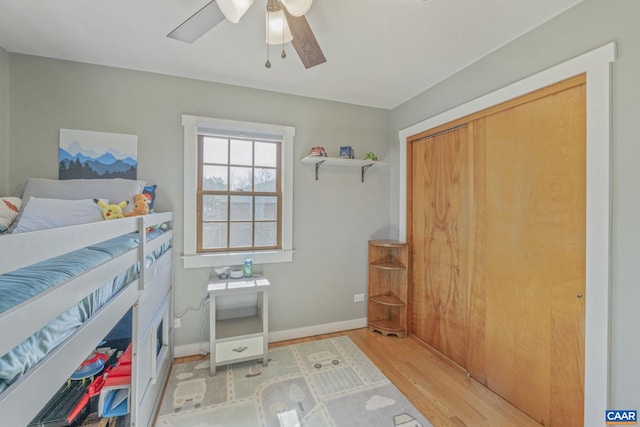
(439,389)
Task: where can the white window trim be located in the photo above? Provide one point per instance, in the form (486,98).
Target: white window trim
(597,66)
(192,259)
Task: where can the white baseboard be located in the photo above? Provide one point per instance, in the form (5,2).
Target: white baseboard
(310,331)
(190,349)
(289,334)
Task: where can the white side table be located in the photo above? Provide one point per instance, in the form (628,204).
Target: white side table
(241,338)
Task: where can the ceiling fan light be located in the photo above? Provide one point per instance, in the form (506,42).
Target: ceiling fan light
(277,28)
(234,9)
(297,7)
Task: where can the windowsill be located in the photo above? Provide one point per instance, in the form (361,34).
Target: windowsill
(235,258)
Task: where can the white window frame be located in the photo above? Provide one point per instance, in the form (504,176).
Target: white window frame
(193,259)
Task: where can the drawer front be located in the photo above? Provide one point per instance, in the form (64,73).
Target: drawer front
(239,349)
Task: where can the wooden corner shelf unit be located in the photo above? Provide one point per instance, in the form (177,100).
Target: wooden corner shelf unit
(388,282)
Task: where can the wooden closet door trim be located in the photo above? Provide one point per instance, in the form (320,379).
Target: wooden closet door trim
(578,80)
(476,309)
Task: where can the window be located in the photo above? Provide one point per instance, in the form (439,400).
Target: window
(238,202)
(239,195)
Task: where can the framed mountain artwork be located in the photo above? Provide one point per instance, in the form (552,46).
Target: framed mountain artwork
(87,154)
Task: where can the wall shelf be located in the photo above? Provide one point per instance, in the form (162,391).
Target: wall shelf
(364,165)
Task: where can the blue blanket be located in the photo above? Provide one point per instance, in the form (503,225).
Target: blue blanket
(21,285)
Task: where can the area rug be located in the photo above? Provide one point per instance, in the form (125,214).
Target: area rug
(313,384)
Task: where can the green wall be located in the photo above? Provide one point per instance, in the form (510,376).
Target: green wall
(4,122)
(591,24)
(333,217)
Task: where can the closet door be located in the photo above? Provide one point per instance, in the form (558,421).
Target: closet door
(497,225)
(526,336)
(438,230)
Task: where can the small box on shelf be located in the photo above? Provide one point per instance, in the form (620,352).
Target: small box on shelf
(347,152)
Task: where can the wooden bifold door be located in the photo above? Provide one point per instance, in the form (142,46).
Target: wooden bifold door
(496,227)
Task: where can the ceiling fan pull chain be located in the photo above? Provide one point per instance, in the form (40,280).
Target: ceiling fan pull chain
(283,54)
(268,63)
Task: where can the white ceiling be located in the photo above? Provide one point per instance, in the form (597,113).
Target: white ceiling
(379,53)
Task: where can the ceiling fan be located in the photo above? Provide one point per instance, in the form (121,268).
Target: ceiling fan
(285,22)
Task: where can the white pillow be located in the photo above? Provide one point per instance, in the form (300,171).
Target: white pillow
(115,190)
(9,208)
(40,214)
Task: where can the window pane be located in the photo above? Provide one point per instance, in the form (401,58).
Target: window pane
(241,152)
(265,179)
(266,208)
(215,150)
(266,233)
(214,208)
(241,208)
(240,234)
(240,179)
(214,178)
(214,235)
(266,154)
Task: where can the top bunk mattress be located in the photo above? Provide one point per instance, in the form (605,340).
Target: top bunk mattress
(18,286)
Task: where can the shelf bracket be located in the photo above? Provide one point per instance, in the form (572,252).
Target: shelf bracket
(318,167)
(364,169)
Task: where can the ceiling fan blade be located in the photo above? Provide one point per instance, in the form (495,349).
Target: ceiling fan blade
(304,41)
(198,24)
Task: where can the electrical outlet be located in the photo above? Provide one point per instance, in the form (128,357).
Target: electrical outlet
(177,322)
(358,297)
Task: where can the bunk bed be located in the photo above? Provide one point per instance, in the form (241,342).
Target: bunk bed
(86,278)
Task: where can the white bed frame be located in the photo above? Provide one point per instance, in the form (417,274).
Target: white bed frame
(150,296)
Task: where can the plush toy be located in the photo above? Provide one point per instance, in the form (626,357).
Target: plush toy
(150,192)
(140,205)
(111,211)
